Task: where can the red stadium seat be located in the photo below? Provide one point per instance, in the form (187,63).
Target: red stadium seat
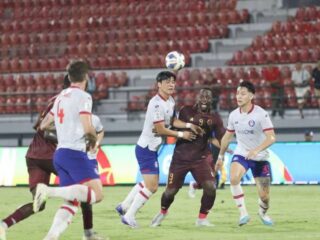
(278,43)
(277,27)
(293,56)
(10,105)
(249,57)
(315,54)
(283,56)
(260,57)
(300,40)
(238,58)
(304,55)
(271,56)
(257,43)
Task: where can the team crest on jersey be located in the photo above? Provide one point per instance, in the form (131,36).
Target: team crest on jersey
(209,122)
(252,123)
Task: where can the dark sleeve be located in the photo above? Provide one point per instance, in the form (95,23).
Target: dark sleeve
(219,129)
(183,114)
(43,114)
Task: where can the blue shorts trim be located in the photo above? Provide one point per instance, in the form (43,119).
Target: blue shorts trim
(258,168)
(74,167)
(147,160)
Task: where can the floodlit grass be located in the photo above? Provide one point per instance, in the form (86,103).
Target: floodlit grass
(295,210)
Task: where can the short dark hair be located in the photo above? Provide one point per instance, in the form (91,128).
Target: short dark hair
(164,75)
(248,85)
(77,71)
(66,82)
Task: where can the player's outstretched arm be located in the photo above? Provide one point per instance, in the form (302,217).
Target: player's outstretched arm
(177,123)
(225,141)
(47,122)
(161,130)
(270,139)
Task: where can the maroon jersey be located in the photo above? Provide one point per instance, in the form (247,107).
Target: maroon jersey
(40,148)
(198,149)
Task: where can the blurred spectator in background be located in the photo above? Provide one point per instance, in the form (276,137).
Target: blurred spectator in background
(308,136)
(316,78)
(301,80)
(272,75)
(91,88)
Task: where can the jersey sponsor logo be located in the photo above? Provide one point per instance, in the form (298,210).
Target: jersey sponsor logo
(245,132)
(251,123)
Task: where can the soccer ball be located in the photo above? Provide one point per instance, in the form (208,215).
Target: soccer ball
(175,61)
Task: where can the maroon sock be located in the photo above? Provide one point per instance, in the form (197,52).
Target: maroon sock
(87,216)
(20,214)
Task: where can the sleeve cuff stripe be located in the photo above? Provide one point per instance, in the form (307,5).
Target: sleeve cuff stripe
(267,129)
(89,113)
(158,121)
(232,131)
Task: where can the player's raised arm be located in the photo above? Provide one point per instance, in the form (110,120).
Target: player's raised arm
(177,123)
(270,139)
(161,130)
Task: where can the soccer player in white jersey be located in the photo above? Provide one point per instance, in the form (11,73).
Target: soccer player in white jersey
(254,134)
(79,180)
(160,116)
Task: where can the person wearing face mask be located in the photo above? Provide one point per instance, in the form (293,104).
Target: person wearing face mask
(254,134)
(194,157)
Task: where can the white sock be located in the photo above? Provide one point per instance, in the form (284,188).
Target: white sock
(263,207)
(138,201)
(62,219)
(4,225)
(78,192)
(129,199)
(238,197)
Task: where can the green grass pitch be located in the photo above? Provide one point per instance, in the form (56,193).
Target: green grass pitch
(295,210)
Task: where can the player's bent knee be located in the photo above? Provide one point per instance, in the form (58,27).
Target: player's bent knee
(234,180)
(99,196)
(153,189)
(264,198)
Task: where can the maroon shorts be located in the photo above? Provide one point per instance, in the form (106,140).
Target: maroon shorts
(200,170)
(39,171)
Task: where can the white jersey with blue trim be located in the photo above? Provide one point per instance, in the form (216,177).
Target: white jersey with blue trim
(159,110)
(249,129)
(67,108)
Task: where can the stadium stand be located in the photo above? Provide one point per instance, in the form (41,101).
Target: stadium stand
(125,43)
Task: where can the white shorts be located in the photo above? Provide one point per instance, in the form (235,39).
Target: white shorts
(300,93)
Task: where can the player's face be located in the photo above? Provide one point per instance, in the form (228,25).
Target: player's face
(167,86)
(204,100)
(243,96)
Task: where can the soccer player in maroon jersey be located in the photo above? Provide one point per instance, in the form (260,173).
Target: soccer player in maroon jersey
(194,157)
(39,159)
